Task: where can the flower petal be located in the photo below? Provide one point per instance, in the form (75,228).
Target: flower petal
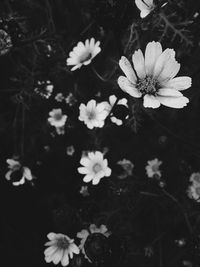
(173,102)
(128,87)
(51,236)
(138,62)
(152,52)
(87,178)
(65,259)
(126,67)
(151,102)
(178,83)
(169,92)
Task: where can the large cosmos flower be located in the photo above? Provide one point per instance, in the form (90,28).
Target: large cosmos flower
(93,114)
(145,7)
(94,167)
(153,77)
(93,229)
(60,248)
(83,54)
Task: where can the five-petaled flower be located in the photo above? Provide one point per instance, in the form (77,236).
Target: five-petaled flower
(145,7)
(60,248)
(83,54)
(93,114)
(153,168)
(153,77)
(95,167)
(57,119)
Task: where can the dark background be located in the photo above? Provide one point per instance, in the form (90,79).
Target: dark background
(53,203)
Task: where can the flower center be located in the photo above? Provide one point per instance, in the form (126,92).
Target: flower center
(97,168)
(148,85)
(63,243)
(85,57)
(91,115)
(57,116)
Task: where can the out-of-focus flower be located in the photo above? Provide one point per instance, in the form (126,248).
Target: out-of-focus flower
(59,97)
(145,7)
(153,168)
(60,249)
(95,167)
(86,233)
(194,189)
(155,80)
(70,99)
(180,242)
(83,54)
(44,89)
(84,191)
(93,114)
(17,173)
(127,166)
(57,119)
(70,150)
(5,42)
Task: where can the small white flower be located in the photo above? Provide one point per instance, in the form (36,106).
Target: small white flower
(83,54)
(194,189)
(59,97)
(70,99)
(95,167)
(60,248)
(44,88)
(13,166)
(83,235)
(153,168)
(56,118)
(93,114)
(155,80)
(70,150)
(145,7)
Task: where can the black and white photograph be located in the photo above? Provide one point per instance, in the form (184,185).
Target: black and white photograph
(100,133)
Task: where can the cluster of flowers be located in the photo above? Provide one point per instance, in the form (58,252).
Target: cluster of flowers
(61,247)
(194,188)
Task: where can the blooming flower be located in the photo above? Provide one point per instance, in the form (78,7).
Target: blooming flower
(152,169)
(18,174)
(93,114)
(70,99)
(70,150)
(83,54)
(85,233)
(57,119)
(194,189)
(60,248)
(5,42)
(145,7)
(155,80)
(44,89)
(94,167)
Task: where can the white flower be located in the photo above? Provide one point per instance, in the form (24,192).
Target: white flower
(93,114)
(56,118)
(155,80)
(44,89)
(59,97)
(83,54)
(152,169)
(60,248)
(83,234)
(94,167)
(195,178)
(25,172)
(145,7)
